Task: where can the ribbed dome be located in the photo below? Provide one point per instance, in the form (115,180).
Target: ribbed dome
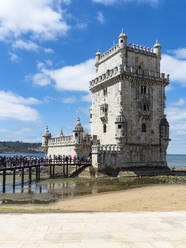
(122,35)
(78,127)
(46,133)
(98,52)
(61,133)
(157,44)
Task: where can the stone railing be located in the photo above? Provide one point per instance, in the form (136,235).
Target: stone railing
(145,73)
(105,148)
(131,47)
(140,49)
(131,71)
(105,76)
(65,140)
(108,53)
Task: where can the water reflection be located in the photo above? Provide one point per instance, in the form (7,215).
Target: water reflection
(51,190)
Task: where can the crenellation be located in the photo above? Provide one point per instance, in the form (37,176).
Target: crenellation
(141,49)
(127,121)
(128,70)
(108,53)
(128,133)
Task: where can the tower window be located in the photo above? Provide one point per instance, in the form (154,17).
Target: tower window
(105,92)
(90,116)
(121,41)
(144,128)
(104,128)
(143,89)
(145,107)
(119,126)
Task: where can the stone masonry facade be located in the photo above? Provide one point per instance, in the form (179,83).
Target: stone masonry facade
(127,113)
(127,120)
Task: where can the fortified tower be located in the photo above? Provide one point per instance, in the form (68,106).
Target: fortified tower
(127,118)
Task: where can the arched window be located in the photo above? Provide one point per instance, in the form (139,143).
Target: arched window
(104,128)
(143,128)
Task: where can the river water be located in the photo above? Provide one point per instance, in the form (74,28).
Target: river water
(173,160)
(50,190)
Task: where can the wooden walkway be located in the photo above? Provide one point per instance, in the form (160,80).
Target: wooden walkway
(35,166)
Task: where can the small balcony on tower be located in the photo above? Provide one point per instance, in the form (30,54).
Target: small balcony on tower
(104,112)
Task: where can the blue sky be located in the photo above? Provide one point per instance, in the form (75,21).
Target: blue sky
(47,52)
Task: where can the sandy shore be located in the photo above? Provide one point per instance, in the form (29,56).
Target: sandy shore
(151,198)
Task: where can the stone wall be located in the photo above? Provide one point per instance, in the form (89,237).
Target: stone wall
(113,158)
(72,150)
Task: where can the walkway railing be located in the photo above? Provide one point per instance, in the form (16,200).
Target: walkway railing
(35,166)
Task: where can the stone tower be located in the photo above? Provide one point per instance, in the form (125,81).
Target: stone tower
(128,101)
(45,138)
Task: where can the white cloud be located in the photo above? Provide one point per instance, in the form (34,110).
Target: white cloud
(81,25)
(175,67)
(86,98)
(48,50)
(13,57)
(177,121)
(49,62)
(82,110)
(40,65)
(40,18)
(180,102)
(169,88)
(110,2)
(75,77)
(71,99)
(179,53)
(41,79)
(100,17)
(15,107)
(175,114)
(25,45)
(67,2)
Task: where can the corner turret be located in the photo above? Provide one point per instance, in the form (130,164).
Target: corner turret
(98,54)
(45,137)
(61,133)
(122,39)
(121,128)
(164,128)
(78,132)
(157,48)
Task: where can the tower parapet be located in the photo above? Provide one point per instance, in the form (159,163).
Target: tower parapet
(128,78)
(129,71)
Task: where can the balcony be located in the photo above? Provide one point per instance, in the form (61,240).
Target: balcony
(104,112)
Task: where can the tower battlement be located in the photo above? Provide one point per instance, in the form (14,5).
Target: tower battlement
(129,71)
(128,101)
(127,120)
(131,47)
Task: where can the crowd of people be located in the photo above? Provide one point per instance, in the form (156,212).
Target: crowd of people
(70,158)
(9,161)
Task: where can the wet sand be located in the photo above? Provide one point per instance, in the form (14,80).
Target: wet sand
(150,198)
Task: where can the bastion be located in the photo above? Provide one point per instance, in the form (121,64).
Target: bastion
(128,126)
